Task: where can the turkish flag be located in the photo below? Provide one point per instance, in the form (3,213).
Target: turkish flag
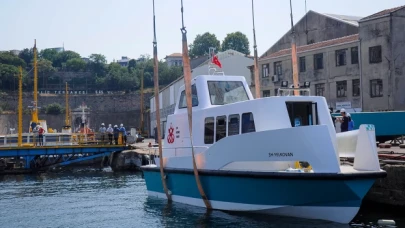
(216,61)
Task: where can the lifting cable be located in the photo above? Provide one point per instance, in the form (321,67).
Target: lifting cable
(156,84)
(187,85)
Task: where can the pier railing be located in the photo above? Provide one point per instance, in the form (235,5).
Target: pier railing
(62,139)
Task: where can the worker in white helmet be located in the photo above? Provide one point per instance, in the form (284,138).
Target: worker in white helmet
(110,132)
(102,131)
(124,134)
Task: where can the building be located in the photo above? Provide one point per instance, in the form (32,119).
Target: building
(58,49)
(175,59)
(233,63)
(124,61)
(346,59)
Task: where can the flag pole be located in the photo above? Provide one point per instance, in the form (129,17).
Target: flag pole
(187,85)
(294,55)
(256,61)
(157,105)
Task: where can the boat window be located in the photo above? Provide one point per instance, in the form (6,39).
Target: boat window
(226,92)
(302,113)
(209,130)
(233,125)
(194,98)
(248,123)
(220,131)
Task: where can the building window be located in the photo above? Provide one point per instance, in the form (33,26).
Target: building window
(375,54)
(194,98)
(209,130)
(233,125)
(278,68)
(356,87)
(318,61)
(376,88)
(341,89)
(220,132)
(265,70)
(320,89)
(248,123)
(266,93)
(340,56)
(355,55)
(302,64)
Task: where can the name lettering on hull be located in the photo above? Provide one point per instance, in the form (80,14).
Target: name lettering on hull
(281,154)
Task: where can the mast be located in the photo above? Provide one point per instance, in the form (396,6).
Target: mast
(67,122)
(294,55)
(142,111)
(156,84)
(187,85)
(20,108)
(35,106)
(256,63)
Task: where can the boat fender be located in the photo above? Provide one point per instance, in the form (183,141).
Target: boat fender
(386,222)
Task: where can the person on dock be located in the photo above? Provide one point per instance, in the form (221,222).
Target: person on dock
(124,134)
(116,133)
(344,121)
(351,122)
(35,135)
(110,132)
(41,132)
(102,131)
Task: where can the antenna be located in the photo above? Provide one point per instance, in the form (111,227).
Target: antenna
(187,85)
(157,106)
(294,55)
(256,64)
(306,21)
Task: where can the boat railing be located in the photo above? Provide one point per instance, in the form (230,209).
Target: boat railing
(214,71)
(290,91)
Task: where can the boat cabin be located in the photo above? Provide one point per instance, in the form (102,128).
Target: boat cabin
(223,106)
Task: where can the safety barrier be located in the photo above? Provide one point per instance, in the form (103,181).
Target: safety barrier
(62,139)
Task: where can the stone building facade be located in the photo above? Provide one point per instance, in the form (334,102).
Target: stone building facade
(354,63)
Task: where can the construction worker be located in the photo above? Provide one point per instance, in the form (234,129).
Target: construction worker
(116,133)
(110,132)
(124,134)
(35,134)
(41,132)
(102,131)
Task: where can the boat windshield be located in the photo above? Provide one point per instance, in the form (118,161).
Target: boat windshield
(226,92)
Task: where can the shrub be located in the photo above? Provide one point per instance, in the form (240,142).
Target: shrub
(54,109)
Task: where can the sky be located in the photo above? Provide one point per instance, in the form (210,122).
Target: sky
(118,28)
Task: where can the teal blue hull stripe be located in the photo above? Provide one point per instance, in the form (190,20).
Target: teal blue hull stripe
(260,191)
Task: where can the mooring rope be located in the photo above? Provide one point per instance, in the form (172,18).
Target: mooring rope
(156,84)
(187,85)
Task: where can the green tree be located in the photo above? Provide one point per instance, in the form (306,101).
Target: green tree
(97,64)
(54,109)
(27,55)
(10,59)
(45,71)
(62,57)
(49,54)
(236,41)
(8,75)
(76,65)
(202,43)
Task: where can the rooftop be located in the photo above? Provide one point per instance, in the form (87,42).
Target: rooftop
(353,20)
(341,40)
(174,55)
(383,13)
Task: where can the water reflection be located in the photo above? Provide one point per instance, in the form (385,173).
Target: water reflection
(102,198)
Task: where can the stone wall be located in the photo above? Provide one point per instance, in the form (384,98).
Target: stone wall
(389,190)
(110,103)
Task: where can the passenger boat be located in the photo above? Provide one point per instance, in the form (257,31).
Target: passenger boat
(247,151)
